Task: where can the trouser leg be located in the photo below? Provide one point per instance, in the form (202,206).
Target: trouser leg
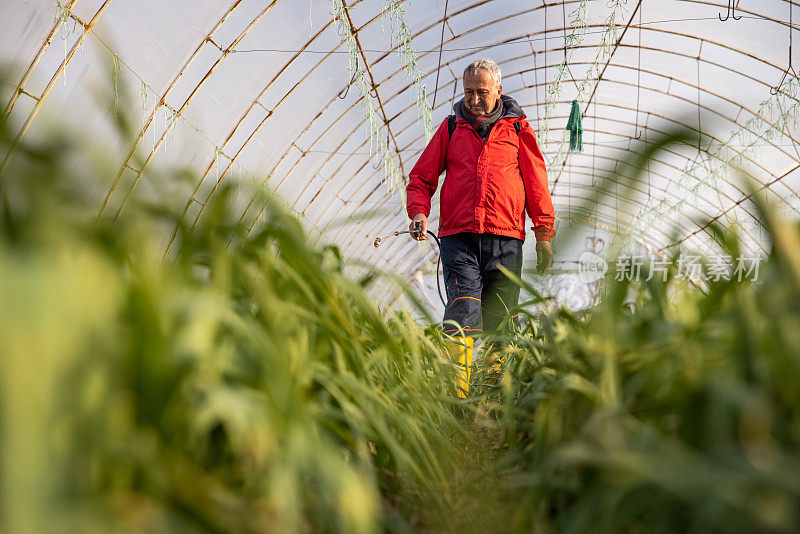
(462,276)
(499,294)
(462,281)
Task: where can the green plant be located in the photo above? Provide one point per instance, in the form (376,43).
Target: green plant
(682,416)
(244,384)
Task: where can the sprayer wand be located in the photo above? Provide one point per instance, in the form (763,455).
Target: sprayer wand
(417,233)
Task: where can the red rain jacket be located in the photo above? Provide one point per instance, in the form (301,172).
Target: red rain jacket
(488,186)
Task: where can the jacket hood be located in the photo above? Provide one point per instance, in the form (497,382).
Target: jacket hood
(511,109)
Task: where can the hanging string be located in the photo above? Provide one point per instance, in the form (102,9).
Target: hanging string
(649,176)
(732,11)
(535,80)
(699,123)
(792,144)
(439,66)
(564,27)
(638,134)
(453,98)
(343,93)
(545,56)
(594,142)
(115,83)
(775,90)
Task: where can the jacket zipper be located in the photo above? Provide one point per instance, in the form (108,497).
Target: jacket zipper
(480,183)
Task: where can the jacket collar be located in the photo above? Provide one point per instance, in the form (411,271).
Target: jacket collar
(508,109)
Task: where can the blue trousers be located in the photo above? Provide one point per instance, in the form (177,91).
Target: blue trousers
(479,295)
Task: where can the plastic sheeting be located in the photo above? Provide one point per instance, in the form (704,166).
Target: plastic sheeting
(260,93)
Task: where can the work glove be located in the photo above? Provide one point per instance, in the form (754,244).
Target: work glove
(418,226)
(544,256)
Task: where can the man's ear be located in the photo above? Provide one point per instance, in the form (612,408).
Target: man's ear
(500,90)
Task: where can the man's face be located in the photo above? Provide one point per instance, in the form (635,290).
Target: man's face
(481,92)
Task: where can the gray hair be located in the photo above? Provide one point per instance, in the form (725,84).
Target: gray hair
(484,64)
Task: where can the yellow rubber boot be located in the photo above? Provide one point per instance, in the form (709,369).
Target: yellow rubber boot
(493,366)
(461,351)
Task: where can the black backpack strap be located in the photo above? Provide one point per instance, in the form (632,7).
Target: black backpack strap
(451,126)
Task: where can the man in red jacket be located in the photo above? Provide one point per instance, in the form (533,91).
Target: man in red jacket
(495,173)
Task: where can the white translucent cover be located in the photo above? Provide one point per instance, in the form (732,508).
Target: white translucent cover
(262,94)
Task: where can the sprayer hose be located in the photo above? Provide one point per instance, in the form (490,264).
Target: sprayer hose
(438,265)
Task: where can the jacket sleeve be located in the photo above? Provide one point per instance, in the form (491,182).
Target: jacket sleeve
(424,177)
(538,203)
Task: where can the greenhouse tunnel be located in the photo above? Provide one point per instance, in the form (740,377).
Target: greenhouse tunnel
(213,317)
(330,104)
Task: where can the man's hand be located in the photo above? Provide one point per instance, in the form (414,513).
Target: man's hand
(544,256)
(418,232)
